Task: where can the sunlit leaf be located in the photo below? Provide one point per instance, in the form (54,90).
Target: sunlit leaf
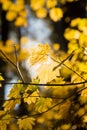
(26,123)
(75,22)
(51,3)
(6,5)
(21,21)
(41,13)
(71,34)
(39,54)
(45,71)
(43,104)
(31,98)
(56,14)
(11,15)
(37,4)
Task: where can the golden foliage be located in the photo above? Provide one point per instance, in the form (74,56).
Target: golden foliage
(21,21)
(56,14)
(41,13)
(31,98)
(26,123)
(39,54)
(37,4)
(6,5)
(51,3)
(43,104)
(11,15)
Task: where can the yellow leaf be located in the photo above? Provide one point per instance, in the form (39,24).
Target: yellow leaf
(38,54)
(9,105)
(65,127)
(24,40)
(56,14)
(45,71)
(6,5)
(43,104)
(75,22)
(55,46)
(12,7)
(31,98)
(11,15)
(23,13)
(37,4)
(26,123)
(15,91)
(4,121)
(51,3)
(23,54)
(41,13)
(1,78)
(21,21)
(71,34)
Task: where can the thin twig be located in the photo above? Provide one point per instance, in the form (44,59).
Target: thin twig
(7,58)
(11,62)
(17,64)
(62,63)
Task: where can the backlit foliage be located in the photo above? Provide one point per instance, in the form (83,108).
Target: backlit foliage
(55,102)
(56,97)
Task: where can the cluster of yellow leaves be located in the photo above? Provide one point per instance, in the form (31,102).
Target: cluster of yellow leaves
(30,98)
(9,49)
(84,95)
(77,36)
(26,123)
(43,104)
(40,56)
(31,93)
(14,97)
(43,7)
(16,11)
(4,120)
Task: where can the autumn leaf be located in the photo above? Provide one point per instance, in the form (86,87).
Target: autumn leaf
(24,40)
(37,4)
(5,121)
(11,15)
(20,21)
(41,13)
(71,34)
(26,123)
(6,5)
(10,104)
(56,14)
(1,79)
(15,91)
(75,22)
(51,3)
(38,54)
(45,71)
(31,98)
(43,104)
